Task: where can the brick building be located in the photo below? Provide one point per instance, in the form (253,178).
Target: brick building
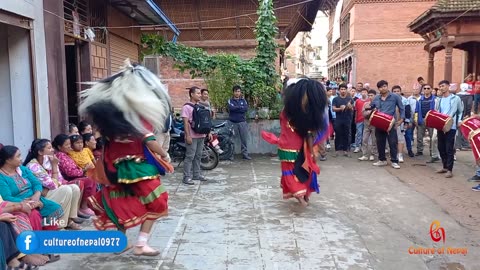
(450,25)
(226,26)
(369,40)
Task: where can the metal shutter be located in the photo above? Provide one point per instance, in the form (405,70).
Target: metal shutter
(121,49)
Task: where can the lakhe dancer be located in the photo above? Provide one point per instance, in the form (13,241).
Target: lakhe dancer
(303,126)
(126,108)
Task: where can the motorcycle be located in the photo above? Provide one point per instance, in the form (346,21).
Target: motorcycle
(225,135)
(177,150)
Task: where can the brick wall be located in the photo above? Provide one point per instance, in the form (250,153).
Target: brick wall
(401,64)
(386,20)
(178,82)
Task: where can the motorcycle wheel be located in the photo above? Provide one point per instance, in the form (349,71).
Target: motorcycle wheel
(209,159)
(227,151)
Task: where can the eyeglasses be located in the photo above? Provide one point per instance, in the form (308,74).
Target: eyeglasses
(427,88)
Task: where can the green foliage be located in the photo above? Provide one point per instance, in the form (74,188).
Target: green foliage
(257,77)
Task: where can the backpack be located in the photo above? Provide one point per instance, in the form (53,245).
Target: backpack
(201,119)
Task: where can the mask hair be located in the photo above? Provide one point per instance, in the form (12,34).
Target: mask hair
(311,97)
(136,92)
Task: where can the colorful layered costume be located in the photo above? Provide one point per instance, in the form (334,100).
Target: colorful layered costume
(297,153)
(126,108)
(139,194)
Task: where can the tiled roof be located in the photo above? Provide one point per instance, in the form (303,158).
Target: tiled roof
(457,5)
(447,6)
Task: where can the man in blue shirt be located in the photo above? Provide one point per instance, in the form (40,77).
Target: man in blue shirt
(450,104)
(424,105)
(238,107)
(388,103)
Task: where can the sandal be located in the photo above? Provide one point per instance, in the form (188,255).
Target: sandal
(52,258)
(73,226)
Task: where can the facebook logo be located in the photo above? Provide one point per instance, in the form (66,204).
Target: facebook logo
(27,242)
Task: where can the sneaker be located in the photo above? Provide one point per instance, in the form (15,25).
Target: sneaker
(357,149)
(449,174)
(247,157)
(433,160)
(455,157)
(323,158)
(410,153)
(395,165)
(400,158)
(372,158)
(380,163)
(419,154)
(477,188)
(363,158)
(200,178)
(328,146)
(188,181)
(474,178)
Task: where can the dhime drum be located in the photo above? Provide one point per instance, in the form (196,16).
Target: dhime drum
(475,144)
(439,121)
(382,121)
(469,125)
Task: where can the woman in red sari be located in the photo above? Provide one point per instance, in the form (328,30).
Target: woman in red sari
(303,126)
(126,108)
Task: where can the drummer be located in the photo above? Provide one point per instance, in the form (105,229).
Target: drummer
(388,103)
(450,104)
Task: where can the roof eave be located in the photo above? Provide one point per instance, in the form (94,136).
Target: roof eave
(158,11)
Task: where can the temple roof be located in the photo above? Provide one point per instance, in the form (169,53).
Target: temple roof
(446,8)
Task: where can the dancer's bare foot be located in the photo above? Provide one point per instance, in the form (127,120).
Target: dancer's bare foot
(302,201)
(307,199)
(145,251)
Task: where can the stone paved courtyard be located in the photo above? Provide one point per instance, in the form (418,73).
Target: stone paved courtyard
(364,218)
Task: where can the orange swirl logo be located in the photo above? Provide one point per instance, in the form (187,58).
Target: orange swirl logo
(437,233)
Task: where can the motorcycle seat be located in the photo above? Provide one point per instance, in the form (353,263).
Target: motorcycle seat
(219,125)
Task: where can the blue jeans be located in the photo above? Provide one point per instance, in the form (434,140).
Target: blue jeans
(476,101)
(409,138)
(477,173)
(359,135)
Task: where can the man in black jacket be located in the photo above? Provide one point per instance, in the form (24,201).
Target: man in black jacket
(238,107)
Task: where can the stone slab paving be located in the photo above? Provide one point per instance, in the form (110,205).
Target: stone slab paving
(364,218)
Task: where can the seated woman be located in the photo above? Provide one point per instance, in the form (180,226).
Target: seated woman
(42,162)
(82,156)
(74,174)
(8,249)
(84,127)
(22,217)
(72,130)
(89,141)
(17,184)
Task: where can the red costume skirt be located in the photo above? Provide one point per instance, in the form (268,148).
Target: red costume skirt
(290,185)
(126,206)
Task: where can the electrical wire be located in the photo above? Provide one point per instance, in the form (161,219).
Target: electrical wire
(177,24)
